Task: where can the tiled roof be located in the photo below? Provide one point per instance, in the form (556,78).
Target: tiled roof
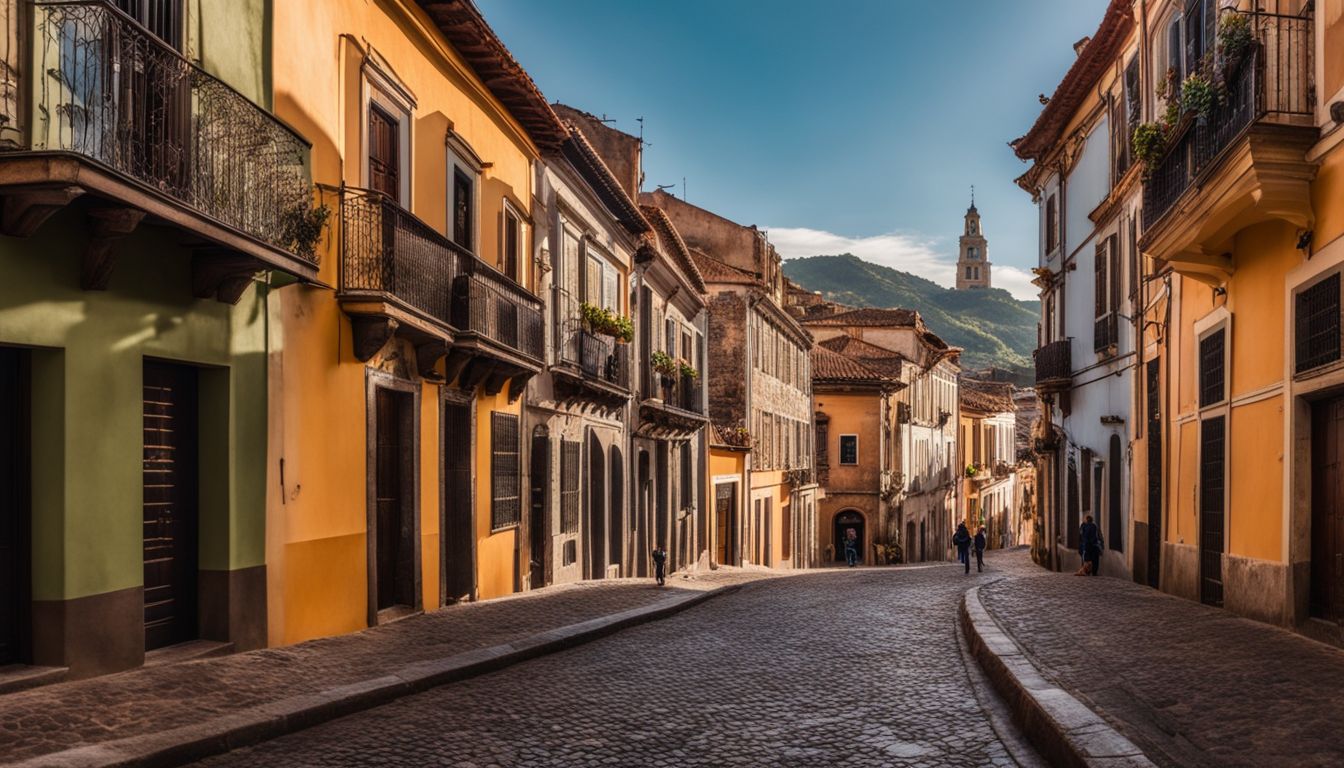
(716,271)
(833,366)
(986,396)
(462,25)
(673,245)
(581,154)
(881,359)
(1098,54)
(867,316)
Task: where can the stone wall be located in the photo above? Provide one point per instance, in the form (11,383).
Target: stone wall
(727,349)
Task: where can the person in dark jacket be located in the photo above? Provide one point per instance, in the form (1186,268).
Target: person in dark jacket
(962,540)
(980,543)
(1089,544)
(659,564)
(851,546)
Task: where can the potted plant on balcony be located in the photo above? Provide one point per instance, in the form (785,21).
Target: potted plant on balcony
(687,371)
(1234,40)
(302,227)
(1198,95)
(667,369)
(1150,143)
(604,322)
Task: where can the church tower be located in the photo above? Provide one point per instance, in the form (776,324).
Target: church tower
(973,261)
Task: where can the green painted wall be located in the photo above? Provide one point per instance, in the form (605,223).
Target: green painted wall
(231,40)
(87,410)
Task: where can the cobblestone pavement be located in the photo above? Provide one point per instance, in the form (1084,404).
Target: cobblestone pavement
(853,667)
(1191,685)
(153,700)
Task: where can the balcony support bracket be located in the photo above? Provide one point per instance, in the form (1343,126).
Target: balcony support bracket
(517,384)
(427,356)
(106,226)
(221,274)
(371,333)
(27,209)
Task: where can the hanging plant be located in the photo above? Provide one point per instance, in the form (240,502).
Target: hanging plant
(664,364)
(1234,37)
(687,371)
(1198,95)
(603,321)
(301,228)
(1149,142)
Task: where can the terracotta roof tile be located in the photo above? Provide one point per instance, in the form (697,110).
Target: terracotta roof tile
(867,316)
(833,366)
(986,396)
(716,271)
(673,245)
(881,359)
(580,152)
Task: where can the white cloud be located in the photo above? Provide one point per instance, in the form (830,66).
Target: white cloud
(913,253)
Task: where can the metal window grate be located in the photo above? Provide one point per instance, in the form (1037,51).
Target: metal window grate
(569,485)
(505,476)
(1211,384)
(1316,319)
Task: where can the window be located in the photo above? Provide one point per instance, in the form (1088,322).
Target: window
(1106,296)
(569,485)
(1199,32)
(505,471)
(1051,225)
(384,153)
(1211,364)
(1316,321)
(511,244)
(163,18)
(972,252)
(849,449)
(968,273)
(464,171)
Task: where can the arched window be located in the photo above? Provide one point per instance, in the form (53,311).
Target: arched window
(972,253)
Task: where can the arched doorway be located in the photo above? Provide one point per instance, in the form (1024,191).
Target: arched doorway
(844,521)
(616,508)
(641,524)
(910,547)
(597,496)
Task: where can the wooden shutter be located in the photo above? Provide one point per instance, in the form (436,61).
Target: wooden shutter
(1101,297)
(384,154)
(513,241)
(462,213)
(505,470)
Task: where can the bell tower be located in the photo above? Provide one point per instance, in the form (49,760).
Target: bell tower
(973,260)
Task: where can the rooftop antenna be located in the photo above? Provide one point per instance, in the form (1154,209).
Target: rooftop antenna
(665,187)
(972,195)
(605,119)
(683,188)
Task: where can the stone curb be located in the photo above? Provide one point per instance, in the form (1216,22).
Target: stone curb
(1064,730)
(268,721)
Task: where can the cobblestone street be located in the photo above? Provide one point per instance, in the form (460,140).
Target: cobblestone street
(842,667)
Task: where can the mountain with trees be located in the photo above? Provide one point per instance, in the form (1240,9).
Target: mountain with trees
(992,327)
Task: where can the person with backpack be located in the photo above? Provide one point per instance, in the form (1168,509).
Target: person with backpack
(962,541)
(980,544)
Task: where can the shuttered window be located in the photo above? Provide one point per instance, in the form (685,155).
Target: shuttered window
(1211,363)
(511,247)
(505,475)
(1316,325)
(384,153)
(1051,225)
(1103,337)
(569,485)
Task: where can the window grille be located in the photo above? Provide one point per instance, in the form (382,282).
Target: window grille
(1211,368)
(569,485)
(1316,319)
(505,477)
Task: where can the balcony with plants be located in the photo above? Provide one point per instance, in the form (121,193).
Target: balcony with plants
(107,116)
(673,402)
(593,357)
(1229,149)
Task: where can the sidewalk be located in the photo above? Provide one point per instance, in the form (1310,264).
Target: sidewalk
(106,719)
(1189,684)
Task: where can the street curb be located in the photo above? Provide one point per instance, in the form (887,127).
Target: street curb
(1064,730)
(193,742)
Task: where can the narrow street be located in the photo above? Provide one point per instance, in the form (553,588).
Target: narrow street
(857,667)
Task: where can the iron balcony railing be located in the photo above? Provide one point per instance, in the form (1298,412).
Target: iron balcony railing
(677,391)
(602,358)
(1054,364)
(385,250)
(109,90)
(493,306)
(1274,80)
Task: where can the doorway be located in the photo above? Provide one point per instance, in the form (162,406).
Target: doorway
(392,527)
(642,524)
(458,551)
(1154,474)
(170,503)
(540,475)
(843,522)
(15,537)
(1212,436)
(1327,510)
(616,508)
(596,539)
(725,524)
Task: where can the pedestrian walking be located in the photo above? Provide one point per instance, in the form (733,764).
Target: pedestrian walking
(1089,545)
(659,564)
(962,540)
(851,546)
(980,544)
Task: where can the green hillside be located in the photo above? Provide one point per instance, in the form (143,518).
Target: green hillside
(992,326)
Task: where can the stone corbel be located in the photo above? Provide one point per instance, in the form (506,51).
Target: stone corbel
(26,210)
(371,333)
(428,355)
(107,225)
(221,275)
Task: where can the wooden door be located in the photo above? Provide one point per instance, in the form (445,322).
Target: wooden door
(1327,510)
(540,475)
(384,154)
(1154,473)
(723,513)
(394,526)
(459,537)
(15,565)
(170,504)
(1212,484)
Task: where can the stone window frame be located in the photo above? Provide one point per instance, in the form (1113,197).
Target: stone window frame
(840,449)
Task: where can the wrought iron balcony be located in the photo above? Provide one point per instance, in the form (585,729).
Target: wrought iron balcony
(671,406)
(111,111)
(498,311)
(1054,366)
(602,358)
(590,364)
(1271,84)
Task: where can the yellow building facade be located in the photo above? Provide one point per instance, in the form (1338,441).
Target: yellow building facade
(395,436)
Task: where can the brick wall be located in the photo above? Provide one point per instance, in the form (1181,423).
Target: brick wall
(727,349)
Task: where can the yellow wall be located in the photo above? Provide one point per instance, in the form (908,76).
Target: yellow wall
(1255,480)
(1327,192)
(316,542)
(1263,255)
(770,485)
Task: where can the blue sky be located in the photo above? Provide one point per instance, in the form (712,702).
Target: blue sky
(848,125)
